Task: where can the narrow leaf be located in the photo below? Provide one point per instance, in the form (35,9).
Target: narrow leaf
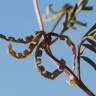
(90,47)
(81,23)
(88,60)
(72,15)
(87,8)
(65,23)
(92,42)
(94,36)
(81,4)
(91,29)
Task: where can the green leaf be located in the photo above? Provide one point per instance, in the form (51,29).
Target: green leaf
(94,36)
(81,23)
(88,60)
(87,8)
(65,23)
(90,47)
(81,4)
(92,42)
(91,29)
(72,15)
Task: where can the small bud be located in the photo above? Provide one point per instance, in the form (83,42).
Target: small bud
(71,80)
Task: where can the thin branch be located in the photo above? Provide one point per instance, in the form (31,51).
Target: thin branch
(55,25)
(80,84)
(39,19)
(60,34)
(65,28)
(78,57)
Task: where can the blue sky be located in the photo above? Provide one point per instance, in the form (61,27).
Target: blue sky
(20,77)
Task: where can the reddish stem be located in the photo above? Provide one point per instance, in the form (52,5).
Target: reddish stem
(39,19)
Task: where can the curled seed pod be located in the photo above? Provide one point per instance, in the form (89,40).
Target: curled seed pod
(39,53)
(70,44)
(41,68)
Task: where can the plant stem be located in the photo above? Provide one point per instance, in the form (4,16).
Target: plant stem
(39,19)
(84,88)
(80,84)
(78,62)
(52,30)
(78,57)
(60,34)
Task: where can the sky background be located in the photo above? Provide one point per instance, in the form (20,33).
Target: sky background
(20,77)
